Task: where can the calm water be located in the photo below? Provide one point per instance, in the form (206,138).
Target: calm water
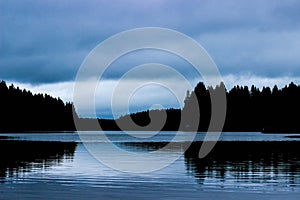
(58,166)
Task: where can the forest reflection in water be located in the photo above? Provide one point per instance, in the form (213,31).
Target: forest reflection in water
(239,162)
(252,163)
(18,157)
(230,164)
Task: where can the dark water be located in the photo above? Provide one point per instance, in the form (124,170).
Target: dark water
(241,166)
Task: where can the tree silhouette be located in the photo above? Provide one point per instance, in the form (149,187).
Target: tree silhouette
(268,110)
(23,111)
(275,110)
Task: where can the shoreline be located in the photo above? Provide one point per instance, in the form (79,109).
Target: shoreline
(74,131)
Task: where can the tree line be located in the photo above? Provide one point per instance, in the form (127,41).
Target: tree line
(265,110)
(248,109)
(23,111)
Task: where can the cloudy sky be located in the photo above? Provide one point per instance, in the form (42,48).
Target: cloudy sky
(43,43)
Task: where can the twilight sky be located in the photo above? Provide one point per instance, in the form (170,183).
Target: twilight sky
(43,43)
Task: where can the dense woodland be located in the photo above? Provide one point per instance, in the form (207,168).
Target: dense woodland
(23,111)
(267,110)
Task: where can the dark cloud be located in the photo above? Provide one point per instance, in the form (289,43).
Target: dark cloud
(150,56)
(46,41)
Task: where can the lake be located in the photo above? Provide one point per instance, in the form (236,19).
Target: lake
(59,166)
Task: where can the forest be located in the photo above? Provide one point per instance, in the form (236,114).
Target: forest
(265,110)
(22,111)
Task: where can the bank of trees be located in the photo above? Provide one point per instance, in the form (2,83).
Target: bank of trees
(251,109)
(20,110)
(248,109)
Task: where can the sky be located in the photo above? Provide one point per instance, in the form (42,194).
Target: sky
(44,43)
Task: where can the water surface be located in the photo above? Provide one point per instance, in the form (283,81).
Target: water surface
(58,166)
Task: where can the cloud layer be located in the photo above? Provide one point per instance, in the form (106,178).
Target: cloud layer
(43,43)
(46,41)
